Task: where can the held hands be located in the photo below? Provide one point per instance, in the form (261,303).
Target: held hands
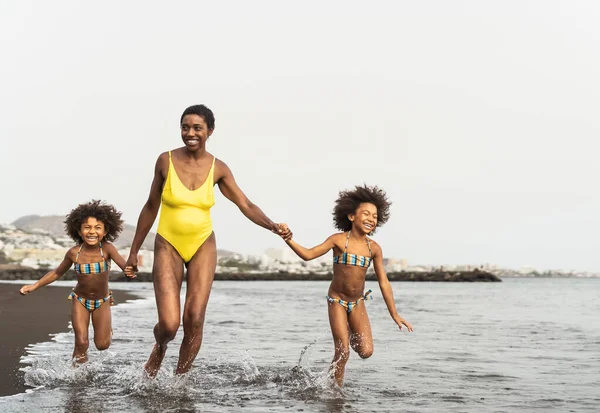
(131,263)
(283,231)
(26,289)
(129,272)
(400,321)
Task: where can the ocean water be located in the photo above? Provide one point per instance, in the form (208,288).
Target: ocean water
(523,345)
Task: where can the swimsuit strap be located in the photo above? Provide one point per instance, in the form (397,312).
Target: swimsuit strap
(77,256)
(346,247)
(101,252)
(368,245)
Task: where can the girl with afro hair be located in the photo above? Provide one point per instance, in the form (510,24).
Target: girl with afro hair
(92,226)
(357,213)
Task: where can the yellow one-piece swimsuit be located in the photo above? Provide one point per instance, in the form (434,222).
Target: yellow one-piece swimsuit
(185,215)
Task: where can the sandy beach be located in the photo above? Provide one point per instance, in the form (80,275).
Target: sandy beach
(31,319)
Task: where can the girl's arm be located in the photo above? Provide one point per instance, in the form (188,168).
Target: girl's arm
(230,189)
(114,255)
(386,287)
(149,211)
(310,254)
(49,277)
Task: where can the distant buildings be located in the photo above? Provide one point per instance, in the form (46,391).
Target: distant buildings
(40,249)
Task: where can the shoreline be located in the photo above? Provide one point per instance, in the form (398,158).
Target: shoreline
(30,319)
(432,276)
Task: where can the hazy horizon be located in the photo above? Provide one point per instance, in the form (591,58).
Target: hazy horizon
(479,119)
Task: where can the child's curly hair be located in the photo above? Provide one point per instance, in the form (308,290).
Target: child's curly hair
(108,214)
(349,201)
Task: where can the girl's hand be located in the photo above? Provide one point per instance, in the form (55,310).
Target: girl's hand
(129,272)
(400,321)
(26,289)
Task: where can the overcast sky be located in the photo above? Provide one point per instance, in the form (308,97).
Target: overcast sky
(480,119)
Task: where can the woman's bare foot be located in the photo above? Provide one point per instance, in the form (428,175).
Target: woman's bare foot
(79,359)
(152,366)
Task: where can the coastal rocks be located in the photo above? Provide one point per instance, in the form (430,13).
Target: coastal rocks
(447,276)
(20,273)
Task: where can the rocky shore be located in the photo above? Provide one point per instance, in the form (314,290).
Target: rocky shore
(435,276)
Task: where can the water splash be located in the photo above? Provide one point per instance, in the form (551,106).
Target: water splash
(54,371)
(305,352)
(250,372)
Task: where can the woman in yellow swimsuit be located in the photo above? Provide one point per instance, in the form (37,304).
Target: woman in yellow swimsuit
(357,213)
(183,190)
(92,226)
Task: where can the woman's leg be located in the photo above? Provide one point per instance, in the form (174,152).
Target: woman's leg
(102,322)
(167,274)
(338,320)
(361,338)
(80,318)
(200,276)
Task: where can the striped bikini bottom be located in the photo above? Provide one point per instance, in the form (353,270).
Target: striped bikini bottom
(349,305)
(92,305)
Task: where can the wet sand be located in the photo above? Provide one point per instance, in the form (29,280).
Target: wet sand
(30,319)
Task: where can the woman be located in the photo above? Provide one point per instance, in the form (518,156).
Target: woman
(183,185)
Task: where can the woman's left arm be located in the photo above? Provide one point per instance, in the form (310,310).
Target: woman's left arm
(232,191)
(386,288)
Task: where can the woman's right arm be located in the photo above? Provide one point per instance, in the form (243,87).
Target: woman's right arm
(308,254)
(149,211)
(49,277)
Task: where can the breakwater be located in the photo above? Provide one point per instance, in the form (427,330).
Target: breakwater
(433,276)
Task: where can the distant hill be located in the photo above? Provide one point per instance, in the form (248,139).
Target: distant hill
(54,224)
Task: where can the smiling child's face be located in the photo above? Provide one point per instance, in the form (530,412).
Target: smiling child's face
(92,231)
(364,218)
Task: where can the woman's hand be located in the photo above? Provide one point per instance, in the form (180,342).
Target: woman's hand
(129,272)
(283,231)
(132,262)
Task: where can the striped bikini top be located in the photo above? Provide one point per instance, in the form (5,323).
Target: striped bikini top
(353,259)
(93,267)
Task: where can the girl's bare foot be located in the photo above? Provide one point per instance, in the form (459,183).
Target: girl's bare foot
(152,366)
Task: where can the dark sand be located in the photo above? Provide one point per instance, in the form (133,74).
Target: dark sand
(30,319)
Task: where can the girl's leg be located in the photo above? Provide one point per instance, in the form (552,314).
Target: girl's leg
(361,338)
(200,276)
(167,274)
(102,322)
(338,320)
(80,318)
